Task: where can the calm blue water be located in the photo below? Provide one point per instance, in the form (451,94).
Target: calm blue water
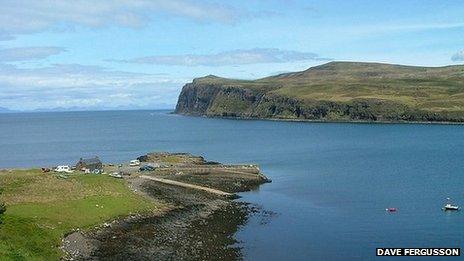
(331,182)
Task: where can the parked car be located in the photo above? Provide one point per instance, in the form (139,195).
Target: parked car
(116,175)
(63,168)
(134,163)
(147,168)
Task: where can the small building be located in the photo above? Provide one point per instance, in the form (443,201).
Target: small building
(90,164)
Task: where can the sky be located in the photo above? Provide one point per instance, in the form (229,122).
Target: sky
(137,54)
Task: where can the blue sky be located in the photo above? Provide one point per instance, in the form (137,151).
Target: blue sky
(137,54)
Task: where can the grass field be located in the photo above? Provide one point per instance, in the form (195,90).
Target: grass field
(41,209)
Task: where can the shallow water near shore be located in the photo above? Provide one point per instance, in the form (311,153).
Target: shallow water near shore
(331,181)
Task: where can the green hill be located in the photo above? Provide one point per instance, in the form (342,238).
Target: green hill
(336,91)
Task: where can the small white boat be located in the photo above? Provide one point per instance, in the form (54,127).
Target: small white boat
(450,206)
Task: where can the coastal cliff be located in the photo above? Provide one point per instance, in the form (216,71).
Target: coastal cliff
(337,91)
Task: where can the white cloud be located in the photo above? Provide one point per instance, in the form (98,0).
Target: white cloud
(80,86)
(28,53)
(235,57)
(393,28)
(458,57)
(29,16)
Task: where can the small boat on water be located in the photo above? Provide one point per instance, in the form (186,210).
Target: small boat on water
(391,209)
(450,206)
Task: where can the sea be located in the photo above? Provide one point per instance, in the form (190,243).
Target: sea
(331,182)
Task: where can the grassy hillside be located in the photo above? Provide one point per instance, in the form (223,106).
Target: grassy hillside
(393,92)
(42,208)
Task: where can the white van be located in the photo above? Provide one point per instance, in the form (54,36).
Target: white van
(63,168)
(134,163)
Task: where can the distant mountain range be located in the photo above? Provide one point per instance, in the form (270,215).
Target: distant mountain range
(336,91)
(5,110)
(76,108)
(65,109)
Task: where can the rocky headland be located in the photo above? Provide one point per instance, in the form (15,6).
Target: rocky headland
(336,91)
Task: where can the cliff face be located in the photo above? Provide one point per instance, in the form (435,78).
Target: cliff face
(270,98)
(216,100)
(219,101)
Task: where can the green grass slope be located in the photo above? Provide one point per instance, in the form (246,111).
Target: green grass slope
(42,208)
(394,92)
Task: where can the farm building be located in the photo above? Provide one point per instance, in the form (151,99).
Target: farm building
(91,164)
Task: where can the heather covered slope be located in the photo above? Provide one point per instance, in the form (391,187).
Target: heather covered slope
(344,91)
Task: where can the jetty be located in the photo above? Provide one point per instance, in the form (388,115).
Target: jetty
(191,186)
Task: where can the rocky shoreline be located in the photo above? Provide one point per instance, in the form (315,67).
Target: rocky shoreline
(196,225)
(247,118)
